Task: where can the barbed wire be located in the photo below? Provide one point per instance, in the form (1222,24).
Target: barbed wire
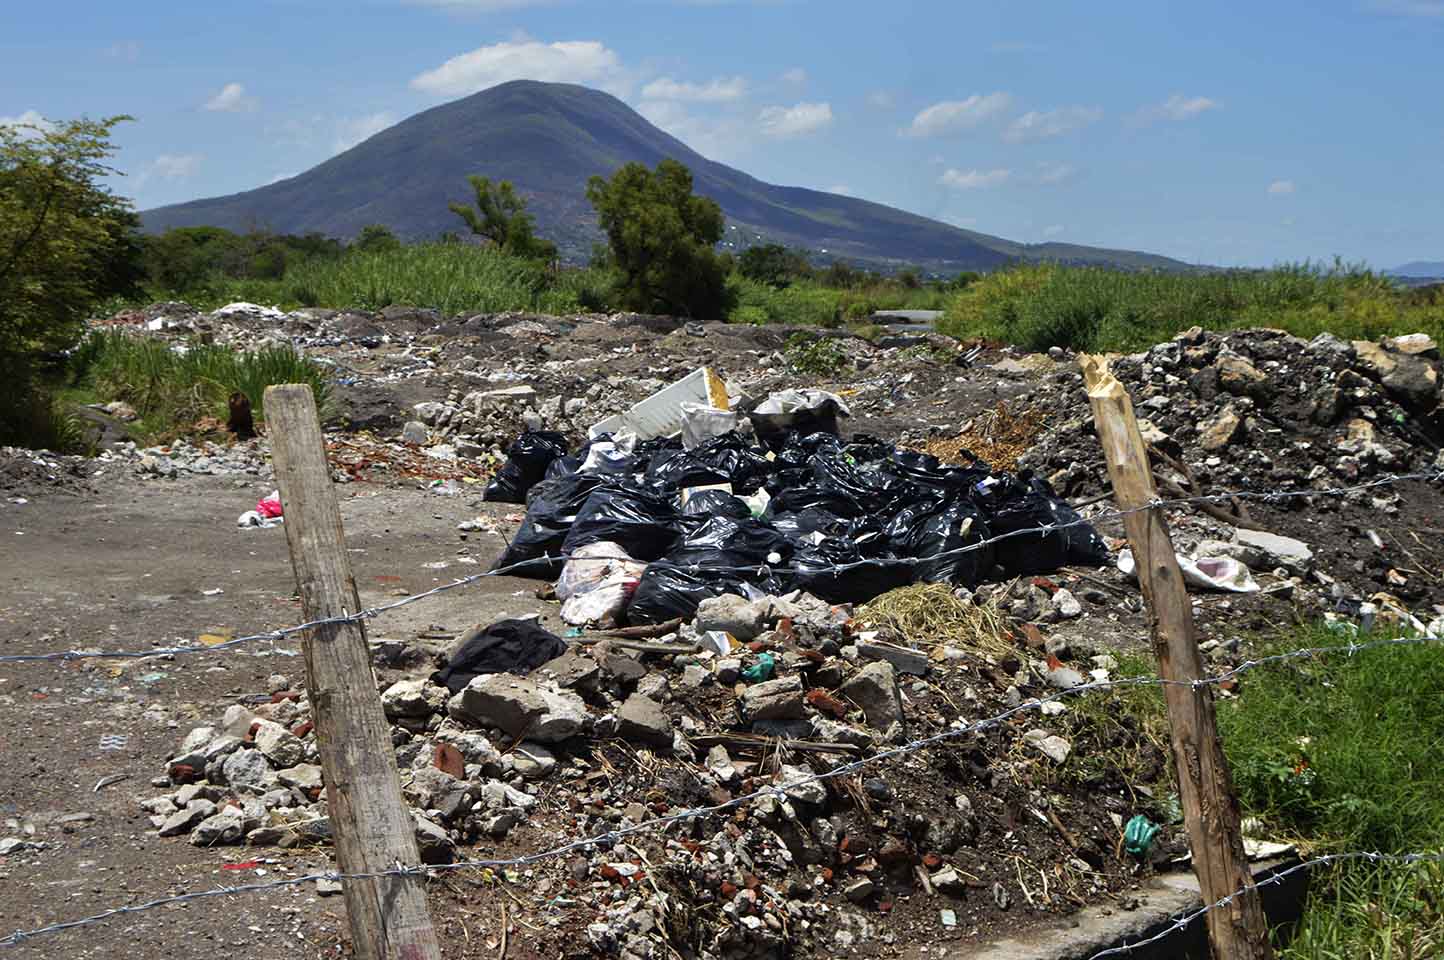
(777,791)
(763,570)
(1276,878)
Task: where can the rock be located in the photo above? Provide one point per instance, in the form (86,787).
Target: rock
(474,747)
(237,720)
(859,890)
(1065,605)
(779,699)
(1220,430)
(728,670)
(182,821)
(1064,677)
(1374,359)
(950,882)
(415,432)
(413,698)
(278,744)
(533,761)
(430,412)
(641,720)
(571,670)
(500,824)
(433,842)
(1242,379)
(875,689)
(159,806)
(695,676)
(195,741)
(720,763)
(1414,382)
(246,771)
(228,826)
(1338,352)
(1412,344)
(326,887)
(1276,550)
(813,792)
(303,776)
(1055,748)
(903,659)
(522,707)
(732,614)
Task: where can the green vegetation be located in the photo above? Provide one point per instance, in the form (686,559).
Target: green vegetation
(662,239)
(171,390)
(1335,753)
(198,263)
(1096,309)
(817,356)
(500,218)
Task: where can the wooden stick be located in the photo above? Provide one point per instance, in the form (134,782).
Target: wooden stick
(373,827)
(1237,931)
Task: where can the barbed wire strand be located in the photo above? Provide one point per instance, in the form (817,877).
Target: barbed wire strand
(775,791)
(697,568)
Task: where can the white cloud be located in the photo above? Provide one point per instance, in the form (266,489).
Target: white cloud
(726,137)
(176,166)
(1054,230)
(1410,8)
(1054,173)
(1282,188)
(795,77)
(840,188)
(1176,107)
(952,115)
(882,99)
(232,99)
(353,130)
(964,222)
(29,118)
(567,61)
(796,120)
(974,179)
(1045,124)
(720,90)
(127,50)
(279,177)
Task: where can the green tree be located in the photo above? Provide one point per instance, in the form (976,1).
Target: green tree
(773,264)
(662,238)
(64,236)
(375,238)
(500,217)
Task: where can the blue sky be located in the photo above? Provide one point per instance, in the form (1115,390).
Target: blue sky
(1223,132)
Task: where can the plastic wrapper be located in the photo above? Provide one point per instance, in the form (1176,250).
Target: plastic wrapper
(590,566)
(527,460)
(716,503)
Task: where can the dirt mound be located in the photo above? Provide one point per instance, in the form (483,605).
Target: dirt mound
(28,473)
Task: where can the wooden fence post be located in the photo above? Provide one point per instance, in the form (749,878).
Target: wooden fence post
(1239,930)
(371,824)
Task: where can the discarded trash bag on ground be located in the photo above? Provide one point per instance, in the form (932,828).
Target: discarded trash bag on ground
(938,533)
(676,469)
(602,606)
(645,524)
(590,566)
(552,509)
(716,503)
(527,460)
(1210,573)
(702,421)
(507,646)
(816,571)
(1026,503)
(804,411)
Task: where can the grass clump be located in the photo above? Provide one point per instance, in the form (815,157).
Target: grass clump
(1091,308)
(925,615)
(817,356)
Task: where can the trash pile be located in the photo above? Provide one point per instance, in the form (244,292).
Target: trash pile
(762,503)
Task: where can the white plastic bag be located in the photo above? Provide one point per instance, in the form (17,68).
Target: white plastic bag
(605,603)
(1210,573)
(701,422)
(592,566)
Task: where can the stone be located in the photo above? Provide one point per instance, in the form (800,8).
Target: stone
(780,699)
(1374,359)
(415,432)
(474,747)
(429,412)
(641,720)
(732,614)
(875,689)
(533,761)
(728,670)
(571,670)
(433,842)
(325,886)
(1242,379)
(499,796)
(1414,344)
(859,890)
(413,698)
(1055,748)
(1277,550)
(228,826)
(813,792)
(695,676)
(159,806)
(949,881)
(246,771)
(1065,605)
(520,707)
(720,763)
(278,744)
(237,720)
(1338,352)
(500,824)
(303,776)
(1220,430)
(183,821)
(221,746)
(195,741)
(903,659)
(1413,381)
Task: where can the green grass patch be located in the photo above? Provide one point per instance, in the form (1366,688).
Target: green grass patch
(817,356)
(1098,309)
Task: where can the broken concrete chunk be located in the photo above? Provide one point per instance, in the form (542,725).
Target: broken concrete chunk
(182,821)
(278,744)
(903,659)
(246,771)
(875,689)
(522,707)
(732,614)
(413,698)
(228,826)
(533,761)
(1223,429)
(641,720)
(774,699)
(1277,550)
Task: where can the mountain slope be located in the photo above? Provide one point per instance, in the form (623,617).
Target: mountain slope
(548,138)
(1422,269)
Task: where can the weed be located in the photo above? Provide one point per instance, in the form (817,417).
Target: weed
(818,356)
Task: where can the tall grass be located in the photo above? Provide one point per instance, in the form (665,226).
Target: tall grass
(1097,309)
(170,388)
(808,303)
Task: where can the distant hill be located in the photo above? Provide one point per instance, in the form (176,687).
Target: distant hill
(548,138)
(1420,269)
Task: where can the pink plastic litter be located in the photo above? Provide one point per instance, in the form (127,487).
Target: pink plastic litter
(269,507)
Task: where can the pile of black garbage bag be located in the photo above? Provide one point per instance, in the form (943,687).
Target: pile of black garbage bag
(846,521)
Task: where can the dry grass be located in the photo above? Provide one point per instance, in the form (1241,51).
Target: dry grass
(926,615)
(998,437)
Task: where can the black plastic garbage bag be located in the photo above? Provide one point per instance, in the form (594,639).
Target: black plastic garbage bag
(835,571)
(553,507)
(939,532)
(1028,502)
(716,503)
(669,590)
(725,542)
(527,460)
(742,464)
(644,524)
(507,646)
(674,470)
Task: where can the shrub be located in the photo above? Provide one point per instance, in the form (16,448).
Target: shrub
(822,356)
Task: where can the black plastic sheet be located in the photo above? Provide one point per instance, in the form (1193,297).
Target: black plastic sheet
(527,460)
